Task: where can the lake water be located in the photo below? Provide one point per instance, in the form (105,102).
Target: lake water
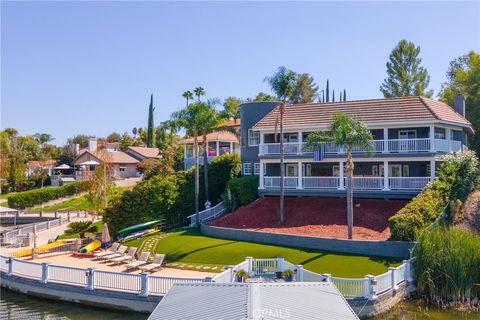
(15,306)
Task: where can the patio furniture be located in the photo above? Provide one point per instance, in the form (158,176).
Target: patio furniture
(113,249)
(140,262)
(125,258)
(119,253)
(157,263)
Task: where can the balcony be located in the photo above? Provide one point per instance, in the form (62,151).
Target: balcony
(359,183)
(378,147)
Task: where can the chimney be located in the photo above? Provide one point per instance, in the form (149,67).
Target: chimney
(459,104)
(76,149)
(92,144)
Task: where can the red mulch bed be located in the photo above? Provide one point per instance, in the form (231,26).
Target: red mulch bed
(321,217)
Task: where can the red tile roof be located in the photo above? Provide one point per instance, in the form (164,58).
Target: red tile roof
(402,109)
(215,136)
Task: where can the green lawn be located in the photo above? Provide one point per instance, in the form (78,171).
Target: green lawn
(79,203)
(99,225)
(191,247)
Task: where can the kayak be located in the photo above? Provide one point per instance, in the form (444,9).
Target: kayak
(138,227)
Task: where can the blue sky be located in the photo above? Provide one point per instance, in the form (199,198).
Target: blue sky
(89,67)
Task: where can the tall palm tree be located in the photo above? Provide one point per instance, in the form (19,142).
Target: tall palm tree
(347,132)
(199,91)
(282,83)
(213,122)
(188,95)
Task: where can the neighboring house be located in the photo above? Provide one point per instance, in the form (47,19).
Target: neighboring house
(219,143)
(121,164)
(409,135)
(33,166)
(143,153)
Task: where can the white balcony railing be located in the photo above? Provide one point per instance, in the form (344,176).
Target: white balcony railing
(321,182)
(366,183)
(274,182)
(377,146)
(408,183)
(359,183)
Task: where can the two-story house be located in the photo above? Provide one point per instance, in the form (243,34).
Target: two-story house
(410,133)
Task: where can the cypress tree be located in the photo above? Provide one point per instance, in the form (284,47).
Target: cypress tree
(333,95)
(327,92)
(340,99)
(150,123)
(344,95)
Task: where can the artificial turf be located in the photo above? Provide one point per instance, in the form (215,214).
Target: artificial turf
(190,246)
(78,203)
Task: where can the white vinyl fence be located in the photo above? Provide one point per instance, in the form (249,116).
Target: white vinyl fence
(368,287)
(14,237)
(92,279)
(207,214)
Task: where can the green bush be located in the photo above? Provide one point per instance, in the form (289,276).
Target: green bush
(446,265)
(456,178)
(79,226)
(170,197)
(240,191)
(27,199)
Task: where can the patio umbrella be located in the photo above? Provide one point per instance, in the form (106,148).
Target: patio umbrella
(105,234)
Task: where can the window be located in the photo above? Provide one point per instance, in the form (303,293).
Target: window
(375,170)
(308,170)
(122,169)
(247,169)
(256,168)
(336,171)
(253,138)
(406,170)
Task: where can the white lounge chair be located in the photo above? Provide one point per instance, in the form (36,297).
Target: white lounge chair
(125,258)
(113,249)
(157,263)
(117,254)
(137,263)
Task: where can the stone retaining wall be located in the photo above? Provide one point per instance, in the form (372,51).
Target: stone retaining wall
(392,249)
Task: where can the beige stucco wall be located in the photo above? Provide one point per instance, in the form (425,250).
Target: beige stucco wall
(130,170)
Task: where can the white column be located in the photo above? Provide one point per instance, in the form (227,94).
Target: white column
(432,169)
(217,145)
(231,147)
(300,175)
(300,143)
(260,177)
(448,133)
(385,175)
(341,185)
(432,138)
(385,140)
(185,151)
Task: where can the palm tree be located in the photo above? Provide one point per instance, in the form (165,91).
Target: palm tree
(43,138)
(282,83)
(134,131)
(347,132)
(188,95)
(199,91)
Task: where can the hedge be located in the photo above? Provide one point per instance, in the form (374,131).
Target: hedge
(240,191)
(456,178)
(27,199)
(170,197)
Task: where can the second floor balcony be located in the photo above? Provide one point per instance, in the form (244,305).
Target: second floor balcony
(395,146)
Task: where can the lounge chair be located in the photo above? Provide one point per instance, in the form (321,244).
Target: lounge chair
(113,249)
(117,254)
(125,258)
(137,263)
(157,263)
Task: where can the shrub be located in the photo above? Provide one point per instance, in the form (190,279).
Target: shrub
(22,200)
(446,264)
(80,226)
(456,178)
(240,191)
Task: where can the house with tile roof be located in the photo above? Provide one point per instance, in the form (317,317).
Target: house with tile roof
(410,134)
(219,143)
